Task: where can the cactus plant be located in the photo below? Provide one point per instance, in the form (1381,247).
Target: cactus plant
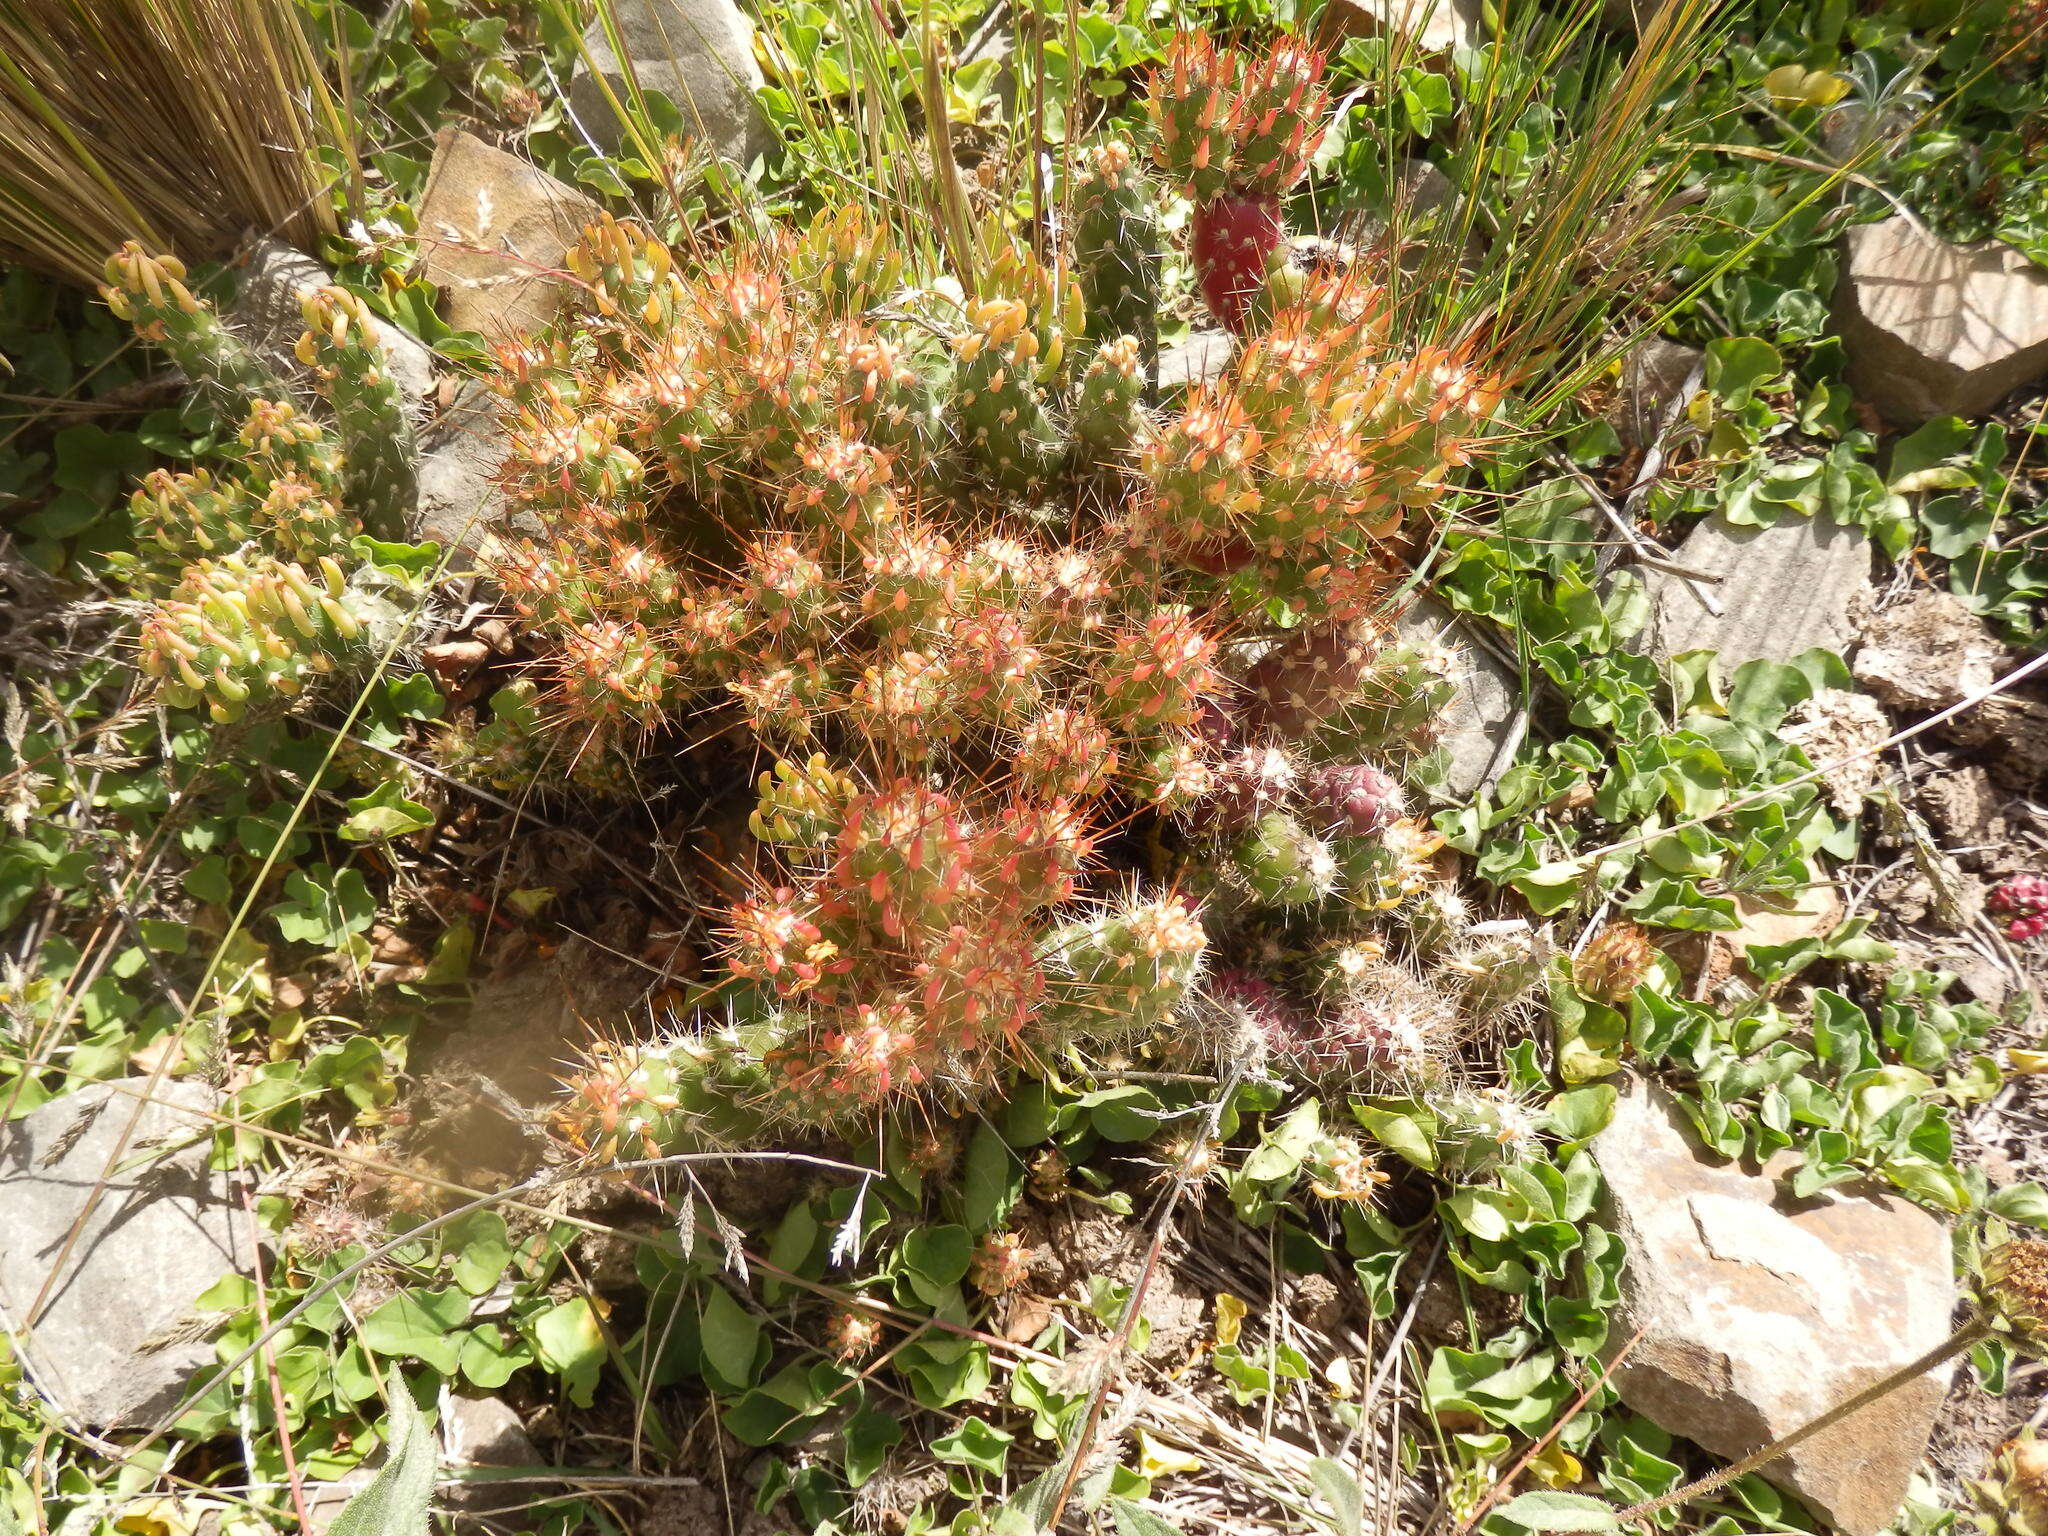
(1236,140)
(976,602)
(149,292)
(1117,244)
(382,458)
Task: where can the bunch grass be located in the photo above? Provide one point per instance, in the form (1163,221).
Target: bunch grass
(177,123)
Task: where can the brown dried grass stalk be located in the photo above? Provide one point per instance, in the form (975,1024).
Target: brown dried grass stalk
(179,123)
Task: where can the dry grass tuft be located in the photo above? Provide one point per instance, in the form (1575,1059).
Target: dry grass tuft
(179,123)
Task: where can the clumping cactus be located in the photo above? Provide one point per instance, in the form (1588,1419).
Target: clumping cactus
(1375,1019)
(1107,412)
(150,293)
(1125,970)
(1284,864)
(1353,799)
(2023,901)
(382,459)
(236,629)
(919,538)
(250,600)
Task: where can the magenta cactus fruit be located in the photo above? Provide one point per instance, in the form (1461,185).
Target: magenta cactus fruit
(1354,799)
(1233,239)
(2023,901)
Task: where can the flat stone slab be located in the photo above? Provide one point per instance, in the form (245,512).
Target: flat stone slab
(1761,1312)
(1654,374)
(109,1346)
(1472,728)
(1201,357)
(493,232)
(461,506)
(698,53)
(1783,590)
(1426,26)
(1938,329)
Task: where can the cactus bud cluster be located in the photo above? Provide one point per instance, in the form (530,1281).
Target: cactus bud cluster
(250,600)
(236,629)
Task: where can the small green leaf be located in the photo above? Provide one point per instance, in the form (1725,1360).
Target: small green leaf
(324,907)
(868,1438)
(1560,1512)
(2026,1203)
(993,1179)
(384,812)
(732,1336)
(1582,1113)
(419,1325)
(396,1501)
(975,1444)
(939,1255)
(1340,1490)
(1135,1520)
(1737,366)
(572,1345)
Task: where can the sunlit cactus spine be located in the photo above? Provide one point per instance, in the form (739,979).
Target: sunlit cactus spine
(801,806)
(1191,107)
(999,409)
(1283,864)
(382,458)
(852,260)
(1237,139)
(150,293)
(629,276)
(1125,970)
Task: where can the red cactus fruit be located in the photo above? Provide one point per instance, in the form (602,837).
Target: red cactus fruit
(1355,799)
(1234,238)
(2023,899)
(1249,782)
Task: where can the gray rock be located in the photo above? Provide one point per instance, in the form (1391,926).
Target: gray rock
(1654,374)
(1783,590)
(1474,726)
(1927,653)
(1420,217)
(1199,358)
(485,1432)
(493,231)
(698,53)
(114,1344)
(1427,26)
(1936,329)
(1761,1312)
(266,311)
(461,505)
